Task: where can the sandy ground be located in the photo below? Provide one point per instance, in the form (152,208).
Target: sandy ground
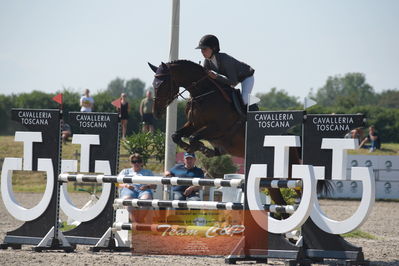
(382,223)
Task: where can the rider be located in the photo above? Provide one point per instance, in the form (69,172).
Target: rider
(225,68)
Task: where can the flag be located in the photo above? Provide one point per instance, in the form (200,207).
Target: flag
(117,103)
(58,98)
(308,103)
(253,99)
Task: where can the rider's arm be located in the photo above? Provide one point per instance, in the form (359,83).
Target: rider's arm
(228,64)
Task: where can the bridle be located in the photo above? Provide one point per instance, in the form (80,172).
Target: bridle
(172,96)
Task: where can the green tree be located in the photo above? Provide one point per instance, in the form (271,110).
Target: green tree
(347,91)
(6,103)
(102,102)
(135,88)
(217,166)
(147,144)
(34,100)
(389,98)
(70,100)
(116,87)
(277,100)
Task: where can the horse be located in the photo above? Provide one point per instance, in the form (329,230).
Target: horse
(210,114)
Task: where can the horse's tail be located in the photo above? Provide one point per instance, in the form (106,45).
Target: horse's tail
(325,187)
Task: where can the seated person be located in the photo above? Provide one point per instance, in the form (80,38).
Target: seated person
(136,191)
(66,132)
(373,138)
(356,133)
(188,169)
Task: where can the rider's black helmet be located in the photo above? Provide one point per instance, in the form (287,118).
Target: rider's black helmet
(210,41)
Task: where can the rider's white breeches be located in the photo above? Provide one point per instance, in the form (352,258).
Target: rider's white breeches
(246,88)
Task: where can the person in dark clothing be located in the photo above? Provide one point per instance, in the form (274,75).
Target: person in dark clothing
(124,111)
(373,138)
(188,169)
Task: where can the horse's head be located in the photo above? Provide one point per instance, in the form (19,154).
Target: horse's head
(165,89)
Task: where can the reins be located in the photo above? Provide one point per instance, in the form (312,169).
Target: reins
(193,85)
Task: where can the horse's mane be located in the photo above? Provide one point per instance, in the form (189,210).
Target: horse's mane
(189,63)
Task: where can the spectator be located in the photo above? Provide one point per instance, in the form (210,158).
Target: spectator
(66,132)
(124,112)
(373,138)
(188,169)
(86,102)
(356,133)
(136,191)
(146,112)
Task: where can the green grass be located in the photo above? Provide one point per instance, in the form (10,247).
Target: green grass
(359,234)
(386,149)
(66,227)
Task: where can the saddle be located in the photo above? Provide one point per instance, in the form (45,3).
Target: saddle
(238,103)
(236,99)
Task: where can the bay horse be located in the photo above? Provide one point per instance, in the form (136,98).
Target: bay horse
(210,115)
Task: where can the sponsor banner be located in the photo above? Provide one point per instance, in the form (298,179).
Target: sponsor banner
(260,151)
(261,124)
(47,122)
(40,134)
(317,127)
(98,136)
(104,125)
(188,232)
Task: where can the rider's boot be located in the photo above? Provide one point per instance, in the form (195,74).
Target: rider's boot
(253,107)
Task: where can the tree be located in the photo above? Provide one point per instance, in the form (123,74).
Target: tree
(135,89)
(277,100)
(70,100)
(347,91)
(116,87)
(389,98)
(102,102)
(34,100)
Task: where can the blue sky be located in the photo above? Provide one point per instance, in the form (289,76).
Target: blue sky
(293,45)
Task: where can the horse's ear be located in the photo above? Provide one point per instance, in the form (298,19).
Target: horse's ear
(164,66)
(154,68)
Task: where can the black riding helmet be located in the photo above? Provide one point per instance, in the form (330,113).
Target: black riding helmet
(210,41)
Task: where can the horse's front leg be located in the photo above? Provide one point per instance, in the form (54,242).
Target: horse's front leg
(195,138)
(185,131)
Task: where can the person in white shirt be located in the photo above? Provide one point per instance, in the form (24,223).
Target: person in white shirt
(86,102)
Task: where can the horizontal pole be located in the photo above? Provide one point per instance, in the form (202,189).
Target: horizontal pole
(202,205)
(276,183)
(176,181)
(157,180)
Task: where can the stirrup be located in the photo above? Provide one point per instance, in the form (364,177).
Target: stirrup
(253,107)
